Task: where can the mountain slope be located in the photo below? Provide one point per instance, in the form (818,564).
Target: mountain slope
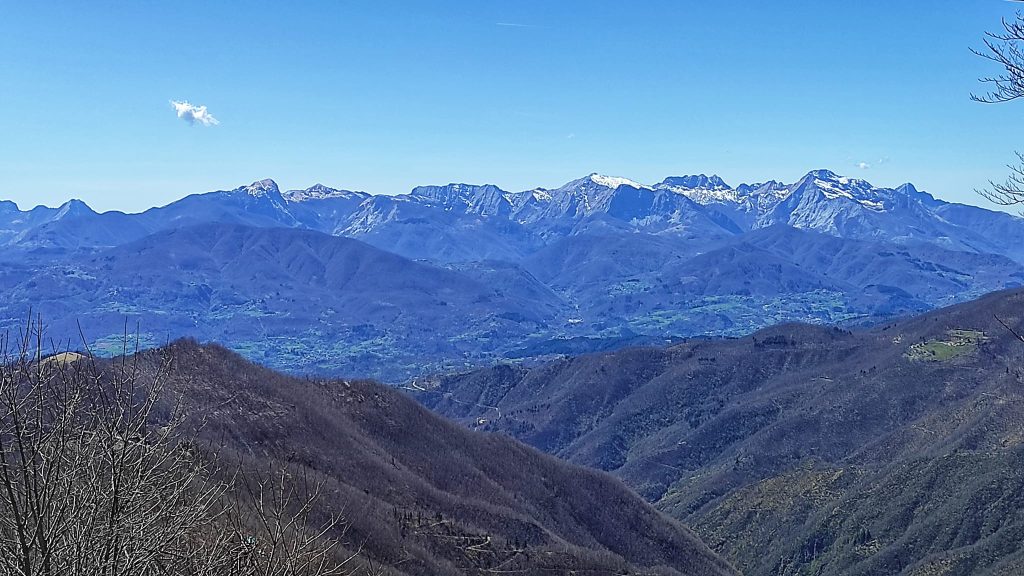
(322,208)
(594,264)
(459,222)
(291,298)
(932,275)
(655,284)
(799,449)
(449,224)
(75,226)
(419,495)
(854,209)
(601,204)
(300,299)
(258,204)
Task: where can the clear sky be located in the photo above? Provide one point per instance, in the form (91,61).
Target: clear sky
(382,95)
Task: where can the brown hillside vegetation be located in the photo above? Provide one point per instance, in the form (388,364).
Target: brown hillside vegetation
(420,495)
(799,449)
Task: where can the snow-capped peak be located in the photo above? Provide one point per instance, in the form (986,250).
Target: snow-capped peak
(835,187)
(700,188)
(316,192)
(828,180)
(823,174)
(261,188)
(614,181)
(541,194)
(700,181)
(831,178)
(455,192)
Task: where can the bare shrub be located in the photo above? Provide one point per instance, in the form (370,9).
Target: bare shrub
(98,478)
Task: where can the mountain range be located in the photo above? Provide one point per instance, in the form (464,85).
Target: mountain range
(346,281)
(798,449)
(416,495)
(772,372)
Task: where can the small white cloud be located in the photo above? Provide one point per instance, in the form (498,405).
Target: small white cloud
(863,165)
(193,114)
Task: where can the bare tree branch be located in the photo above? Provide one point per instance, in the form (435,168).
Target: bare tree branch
(93,483)
(1005,48)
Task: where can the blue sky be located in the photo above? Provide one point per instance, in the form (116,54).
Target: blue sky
(383,95)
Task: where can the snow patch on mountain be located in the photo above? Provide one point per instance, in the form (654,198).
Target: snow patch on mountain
(705,195)
(615,181)
(262,188)
(835,187)
(319,192)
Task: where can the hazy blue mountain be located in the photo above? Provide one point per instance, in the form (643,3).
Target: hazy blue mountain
(290,298)
(443,223)
(933,275)
(1004,231)
(462,222)
(600,258)
(853,208)
(743,206)
(76,226)
(598,262)
(658,285)
(258,204)
(508,277)
(322,208)
(601,203)
(308,301)
(27,229)
(83,229)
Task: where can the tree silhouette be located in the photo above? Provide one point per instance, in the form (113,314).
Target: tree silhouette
(99,477)
(1006,48)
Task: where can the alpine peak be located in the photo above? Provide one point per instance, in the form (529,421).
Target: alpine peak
(699,181)
(318,192)
(613,181)
(265,187)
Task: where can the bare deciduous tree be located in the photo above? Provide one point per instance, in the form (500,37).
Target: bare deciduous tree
(91,483)
(1005,48)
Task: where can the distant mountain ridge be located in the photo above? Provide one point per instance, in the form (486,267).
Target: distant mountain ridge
(295,299)
(600,261)
(517,223)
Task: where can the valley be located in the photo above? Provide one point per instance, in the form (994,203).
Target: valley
(798,449)
(447,278)
(780,332)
